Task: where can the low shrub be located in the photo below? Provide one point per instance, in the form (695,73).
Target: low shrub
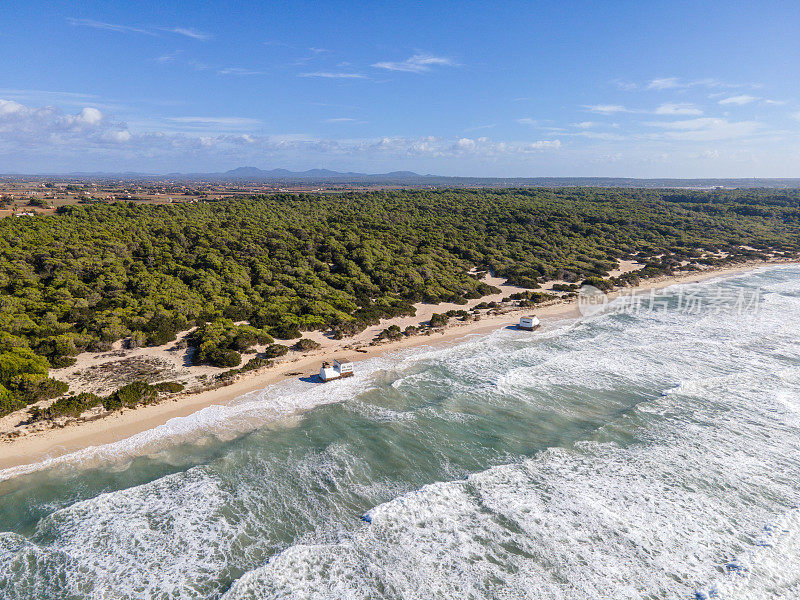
(390,333)
(137,392)
(256,363)
(224,358)
(305,344)
(438,320)
(600,283)
(275,350)
(168,387)
(69,406)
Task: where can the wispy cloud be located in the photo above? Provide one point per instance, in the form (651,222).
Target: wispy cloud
(527,121)
(189,32)
(49,96)
(108,26)
(184,31)
(240,71)
(419,63)
(316,53)
(668,108)
(342,120)
(738,100)
(168,57)
(606,109)
(333,75)
(226,121)
(665,83)
(480,127)
(681,108)
(706,129)
(677,83)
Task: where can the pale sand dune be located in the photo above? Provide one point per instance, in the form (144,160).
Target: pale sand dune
(120,425)
(625,266)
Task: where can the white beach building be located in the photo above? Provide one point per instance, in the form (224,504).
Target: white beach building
(340,368)
(345,367)
(529,323)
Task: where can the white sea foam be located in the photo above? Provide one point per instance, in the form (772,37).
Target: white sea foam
(675,515)
(246,413)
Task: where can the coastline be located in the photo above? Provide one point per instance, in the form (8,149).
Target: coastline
(59,442)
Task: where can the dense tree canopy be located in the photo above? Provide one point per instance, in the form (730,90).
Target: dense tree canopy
(91,275)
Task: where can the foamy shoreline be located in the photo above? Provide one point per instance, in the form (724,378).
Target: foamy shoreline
(21,454)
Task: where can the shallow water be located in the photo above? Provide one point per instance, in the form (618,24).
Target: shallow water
(654,455)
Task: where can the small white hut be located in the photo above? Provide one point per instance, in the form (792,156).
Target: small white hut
(529,323)
(340,368)
(327,372)
(345,367)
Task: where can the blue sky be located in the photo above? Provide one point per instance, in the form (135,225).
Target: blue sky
(640,89)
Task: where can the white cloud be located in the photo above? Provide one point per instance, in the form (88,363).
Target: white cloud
(542,145)
(606,109)
(90,116)
(738,100)
(168,57)
(668,108)
(466,144)
(419,63)
(9,107)
(479,127)
(332,75)
(238,71)
(681,108)
(795,116)
(108,26)
(27,126)
(190,33)
(664,83)
(706,129)
(225,121)
(489,149)
(676,83)
(184,31)
(527,121)
(586,124)
(88,137)
(119,136)
(342,120)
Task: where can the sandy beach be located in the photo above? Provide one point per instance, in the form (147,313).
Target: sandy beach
(34,447)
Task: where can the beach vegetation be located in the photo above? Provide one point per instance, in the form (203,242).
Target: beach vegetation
(306,344)
(240,269)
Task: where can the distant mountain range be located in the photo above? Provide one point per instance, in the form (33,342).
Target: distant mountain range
(256,174)
(411,179)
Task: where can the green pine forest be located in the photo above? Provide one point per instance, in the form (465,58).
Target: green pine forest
(93,274)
